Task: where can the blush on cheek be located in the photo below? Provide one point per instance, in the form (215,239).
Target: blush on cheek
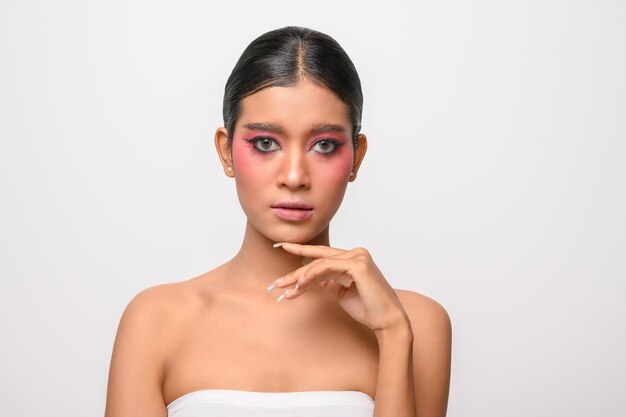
(345,157)
(338,167)
(242,158)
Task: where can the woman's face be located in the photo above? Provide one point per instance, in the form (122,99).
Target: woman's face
(292,144)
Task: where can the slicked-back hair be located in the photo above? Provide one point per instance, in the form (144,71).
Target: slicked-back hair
(284,56)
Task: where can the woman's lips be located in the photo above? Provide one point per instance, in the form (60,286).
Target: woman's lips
(292,214)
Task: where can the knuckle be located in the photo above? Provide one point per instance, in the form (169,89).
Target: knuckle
(362,255)
(361,251)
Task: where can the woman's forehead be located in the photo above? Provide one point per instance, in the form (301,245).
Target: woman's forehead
(303,105)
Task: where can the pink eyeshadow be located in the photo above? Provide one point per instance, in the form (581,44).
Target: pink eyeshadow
(336,166)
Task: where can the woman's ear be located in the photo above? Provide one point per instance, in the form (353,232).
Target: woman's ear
(359,154)
(224,151)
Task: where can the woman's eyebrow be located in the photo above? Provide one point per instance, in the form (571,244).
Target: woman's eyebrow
(316,128)
(269,127)
(326,127)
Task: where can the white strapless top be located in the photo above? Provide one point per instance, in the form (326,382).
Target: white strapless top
(235,403)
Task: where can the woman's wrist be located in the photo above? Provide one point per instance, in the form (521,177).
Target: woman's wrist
(401,330)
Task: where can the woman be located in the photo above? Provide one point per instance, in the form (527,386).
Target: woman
(338,340)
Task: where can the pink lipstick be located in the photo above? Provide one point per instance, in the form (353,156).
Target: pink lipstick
(292,210)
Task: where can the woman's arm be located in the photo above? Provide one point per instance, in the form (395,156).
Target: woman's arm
(135,373)
(414,361)
(395,389)
(431,353)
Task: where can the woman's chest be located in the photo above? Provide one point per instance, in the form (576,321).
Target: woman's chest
(280,355)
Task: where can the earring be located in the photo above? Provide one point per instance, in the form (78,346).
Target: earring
(352,173)
(229,168)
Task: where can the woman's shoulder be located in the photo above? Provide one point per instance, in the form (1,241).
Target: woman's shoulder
(160,296)
(165,303)
(425,313)
(152,306)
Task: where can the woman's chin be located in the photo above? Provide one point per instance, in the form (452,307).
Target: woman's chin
(293,234)
(301,238)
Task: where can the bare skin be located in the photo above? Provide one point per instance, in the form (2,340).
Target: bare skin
(203,334)
(307,344)
(223,330)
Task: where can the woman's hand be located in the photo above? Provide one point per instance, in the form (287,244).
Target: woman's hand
(352,278)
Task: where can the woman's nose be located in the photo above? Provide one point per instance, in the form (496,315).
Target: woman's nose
(294,172)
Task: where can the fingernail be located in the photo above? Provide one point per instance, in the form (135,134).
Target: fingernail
(278,244)
(282,295)
(274,284)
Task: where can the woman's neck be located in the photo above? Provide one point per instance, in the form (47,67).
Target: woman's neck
(258,263)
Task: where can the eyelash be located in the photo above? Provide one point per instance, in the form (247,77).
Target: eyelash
(253,141)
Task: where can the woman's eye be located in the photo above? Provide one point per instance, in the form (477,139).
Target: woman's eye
(264,144)
(326,146)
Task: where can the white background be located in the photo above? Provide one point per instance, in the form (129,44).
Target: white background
(494,182)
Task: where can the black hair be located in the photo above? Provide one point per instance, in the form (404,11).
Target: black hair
(282,57)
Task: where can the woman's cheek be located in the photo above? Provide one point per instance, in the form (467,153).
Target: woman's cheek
(244,161)
(338,169)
